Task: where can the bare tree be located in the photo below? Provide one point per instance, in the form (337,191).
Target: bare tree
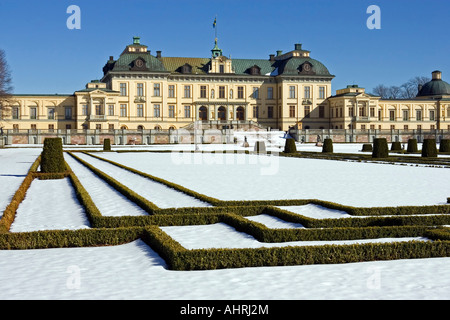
(381,91)
(5,87)
(411,87)
(408,90)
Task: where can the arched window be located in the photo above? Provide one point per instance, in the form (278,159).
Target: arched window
(140,128)
(158,128)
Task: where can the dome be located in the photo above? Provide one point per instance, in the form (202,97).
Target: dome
(435,87)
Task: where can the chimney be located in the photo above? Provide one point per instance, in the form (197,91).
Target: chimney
(279,53)
(111,58)
(298,46)
(436,75)
(158,54)
(271,57)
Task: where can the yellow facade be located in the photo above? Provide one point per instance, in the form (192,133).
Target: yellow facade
(139,91)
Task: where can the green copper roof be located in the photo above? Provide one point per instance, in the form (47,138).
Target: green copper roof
(292,65)
(435,87)
(125,62)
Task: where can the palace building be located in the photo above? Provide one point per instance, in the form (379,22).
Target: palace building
(141,91)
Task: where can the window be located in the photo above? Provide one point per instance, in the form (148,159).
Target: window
(307,111)
(84,110)
(432,127)
(187,111)
(405,127)
(33,127)
(202,91)
(140,90)
(419,115)
(51,127)
(123,110)
(99,110)
(221,92)
(221,68)
(111,127)
(15,112)
(171,111)
(98,126)
(392,126)
(123,89)
(321,111)
(156,111)
(372,112)
(321,92)
(15,128)
(405,115)
(391,115)
(111,110)
(292,111)
(307,92)
(140,110)
(432,118)
(51,113)
(68,126)
(269,93)
(270,112)
(379,115)
(363,127)
(350,111)
(255,112)
(171,91)
(187,91)
(255,93)
(33,113)
(156,90)
(372,127)
(240,93)
(68,113)
(292,92)
(362,111)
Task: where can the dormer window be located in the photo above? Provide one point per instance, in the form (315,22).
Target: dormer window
(306,68)
(255,70)
(187,68)
(221,68)
(139,64)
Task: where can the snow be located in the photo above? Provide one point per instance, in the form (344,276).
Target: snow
(109,201)
(252,177)
(50,205)
(135,271)
(221,235)
(14,166)
(161,195)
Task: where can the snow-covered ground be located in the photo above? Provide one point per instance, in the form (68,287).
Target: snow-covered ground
(252,177)
(135,271)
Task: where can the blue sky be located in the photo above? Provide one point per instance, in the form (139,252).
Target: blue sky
(47,57)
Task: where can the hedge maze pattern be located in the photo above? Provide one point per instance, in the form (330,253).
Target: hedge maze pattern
(382,222)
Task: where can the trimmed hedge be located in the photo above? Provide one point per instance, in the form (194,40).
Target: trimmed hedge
(327,146)
(380,148)
(367,147)
(444,145)
(429,148)
(412,146)
(107,145)
(52,159)
(396,146)
(10,211)
(289,146)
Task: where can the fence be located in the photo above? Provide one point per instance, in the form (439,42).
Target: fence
(147,137)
